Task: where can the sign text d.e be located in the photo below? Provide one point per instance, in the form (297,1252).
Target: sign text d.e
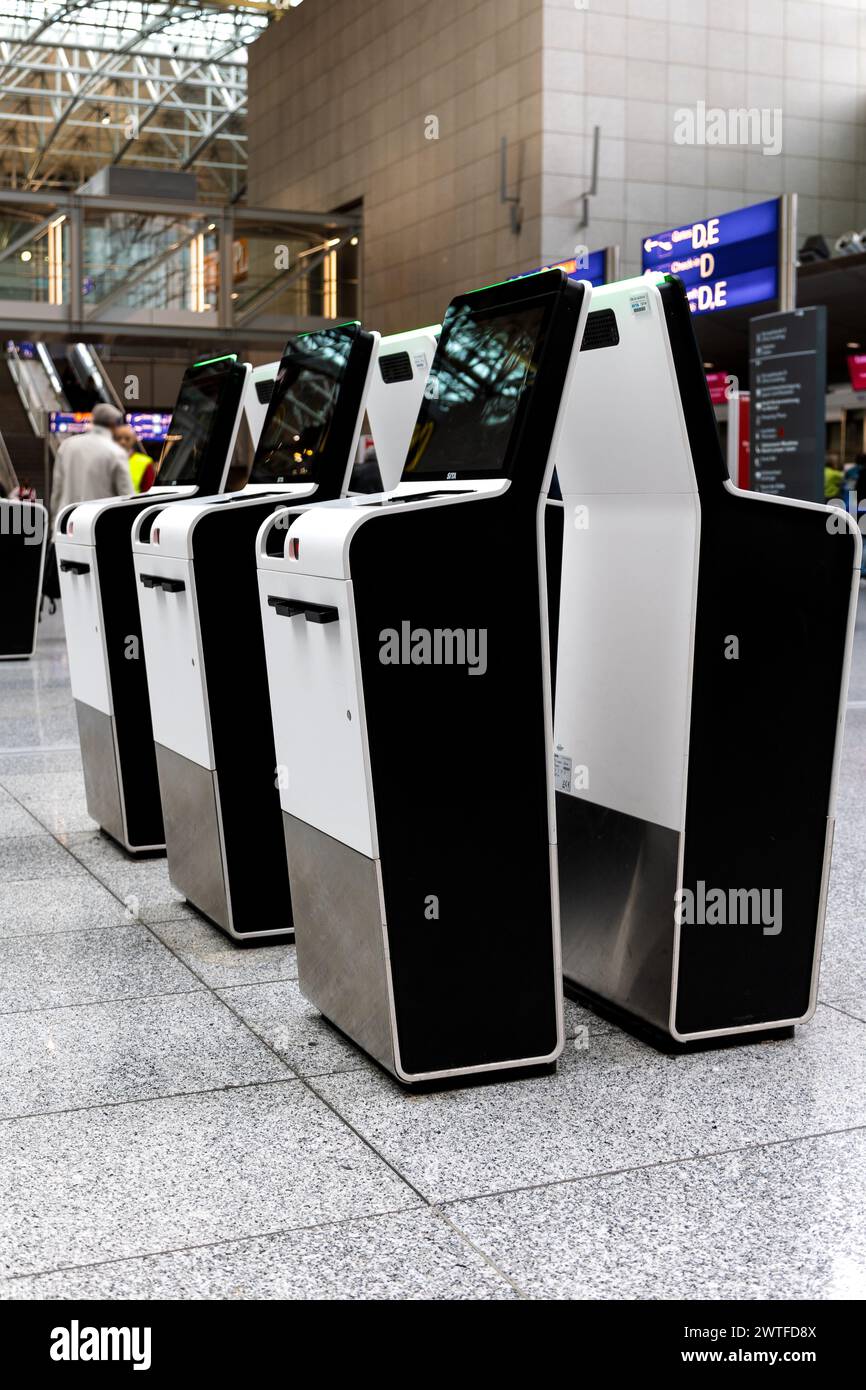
(725,261)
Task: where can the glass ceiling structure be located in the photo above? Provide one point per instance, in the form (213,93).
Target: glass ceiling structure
(85,83)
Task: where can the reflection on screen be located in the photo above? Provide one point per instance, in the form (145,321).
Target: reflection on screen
(479,373)
(191,428)
(301,411)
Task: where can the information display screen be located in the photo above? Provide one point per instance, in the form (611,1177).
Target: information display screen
(68,421)
(192,423)
(302,407)
(149,425)
(484,364)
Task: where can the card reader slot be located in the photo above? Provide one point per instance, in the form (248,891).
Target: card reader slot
(168,586)
(313,612)
(285,608)
(74,567)
(321,613)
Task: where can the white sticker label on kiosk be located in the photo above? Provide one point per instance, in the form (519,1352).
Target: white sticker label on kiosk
(639,302)
(562,772)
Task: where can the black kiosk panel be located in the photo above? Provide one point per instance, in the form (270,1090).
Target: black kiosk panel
(764,727)
(457,727)
(306,439)
(694,865)
(119,760)
(195,455)
(23,540)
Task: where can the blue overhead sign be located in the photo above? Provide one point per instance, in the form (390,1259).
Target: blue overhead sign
(590,267)
(726,261)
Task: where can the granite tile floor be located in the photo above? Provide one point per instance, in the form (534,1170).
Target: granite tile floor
(177,1122)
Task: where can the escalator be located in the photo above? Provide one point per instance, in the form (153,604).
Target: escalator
(36,383)
(84,380)
(26,393)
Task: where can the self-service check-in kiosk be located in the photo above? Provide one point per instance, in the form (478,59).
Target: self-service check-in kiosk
(23,538)
(196,567)
(100,605)
(404,633)
(704,644)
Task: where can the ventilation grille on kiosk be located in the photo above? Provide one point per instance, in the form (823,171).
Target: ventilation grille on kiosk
(601,330)
(395,366)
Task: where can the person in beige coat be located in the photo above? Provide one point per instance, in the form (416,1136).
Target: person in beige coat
(92,464)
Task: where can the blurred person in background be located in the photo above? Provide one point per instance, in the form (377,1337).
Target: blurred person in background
(834,478)
(92,464)
(141,466)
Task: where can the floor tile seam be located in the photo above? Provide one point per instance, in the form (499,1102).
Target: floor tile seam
(97,1003)
(673,1162)
(208,1244)
(290,1079)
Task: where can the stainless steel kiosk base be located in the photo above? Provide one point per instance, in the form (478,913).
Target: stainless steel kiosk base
(99,756)
(193,833)
(341,958)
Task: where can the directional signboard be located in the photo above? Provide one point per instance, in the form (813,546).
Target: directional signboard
(788,359)
(726,261)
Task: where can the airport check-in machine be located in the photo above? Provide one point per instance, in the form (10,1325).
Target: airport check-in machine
(198,591)
(100,605)
(23,539)
(403,632)
(704,645)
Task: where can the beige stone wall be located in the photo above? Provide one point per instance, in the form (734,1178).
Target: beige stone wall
(339,92)
(339,95)
(629,65)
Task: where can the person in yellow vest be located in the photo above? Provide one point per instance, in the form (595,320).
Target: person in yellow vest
(141,466)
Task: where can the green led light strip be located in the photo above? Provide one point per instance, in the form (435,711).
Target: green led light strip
(207,361)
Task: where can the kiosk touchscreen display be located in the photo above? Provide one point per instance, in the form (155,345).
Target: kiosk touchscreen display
(302,407)
(486,359)
(193,424)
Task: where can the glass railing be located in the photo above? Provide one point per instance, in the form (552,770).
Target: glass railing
(109,261)
(34,252)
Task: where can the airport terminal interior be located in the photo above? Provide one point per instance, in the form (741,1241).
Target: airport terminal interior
(432,651)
